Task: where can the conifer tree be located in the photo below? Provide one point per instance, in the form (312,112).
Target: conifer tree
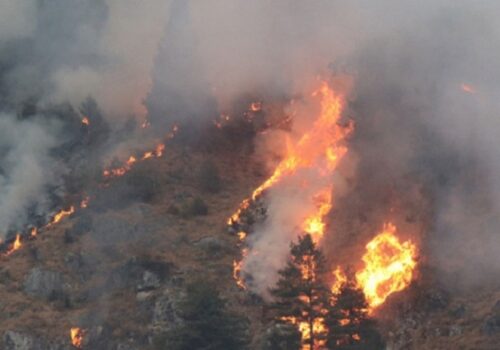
(206,323)
(300,296)
(349,324)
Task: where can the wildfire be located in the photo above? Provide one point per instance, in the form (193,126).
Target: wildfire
(120,171)
(305,330)
(61,215)
(319,149)
(467,88)
(389,266)
(314,224)
(76,335)
(339,281)
(85,121)
(15,246)
(255,106)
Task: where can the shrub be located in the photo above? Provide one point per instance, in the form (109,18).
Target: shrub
(208,177)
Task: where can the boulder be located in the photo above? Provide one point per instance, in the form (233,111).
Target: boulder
(45,284)
(165,315)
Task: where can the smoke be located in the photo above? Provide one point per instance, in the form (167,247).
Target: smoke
(27,169)
(60,53)
(188,60)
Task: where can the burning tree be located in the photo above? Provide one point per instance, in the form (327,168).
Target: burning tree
(348,322)
(300,295)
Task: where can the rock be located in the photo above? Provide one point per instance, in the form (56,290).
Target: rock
(164,312)
(110,228)
(459,311)
(141,274)
(18,341)
(13,340)
(44,284)
(143,296)
(455,330)
(149,281)
(491,325)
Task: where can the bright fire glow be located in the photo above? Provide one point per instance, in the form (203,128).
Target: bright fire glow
(76,335)
(388,266)
(322,148)
(318,151)
(120,171)
(85,121)
(15,246)
(467,88)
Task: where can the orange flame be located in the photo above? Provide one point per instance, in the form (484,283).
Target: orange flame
(320,148)
(76,335)
(388,266)
(339,281)
(305,330)
(61,215)
(15,246)
(256,106)
(120,171)
(467,88)
(85,121)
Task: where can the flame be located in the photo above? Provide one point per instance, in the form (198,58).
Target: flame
(61,215)
(388,266)
(120,171)
(85,121)
(304,328)
(85,202)
(256,106)
(76,335)
(314,224)
(320,149)
(34,232)
(467,88)
(339,281)
(15,246)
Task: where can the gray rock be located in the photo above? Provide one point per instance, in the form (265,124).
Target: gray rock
(44,284)
(491,325)
(13,340)
(165,315)
(112,227)
(18,341)
(150,280)
(455,330)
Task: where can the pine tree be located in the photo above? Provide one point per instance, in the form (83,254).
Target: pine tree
(207,325)
(300,297)
(348,322)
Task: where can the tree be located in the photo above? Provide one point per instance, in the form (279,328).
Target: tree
(348,322)
(207,325)
(300,297)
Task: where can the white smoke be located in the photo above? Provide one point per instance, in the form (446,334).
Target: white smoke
(26,170)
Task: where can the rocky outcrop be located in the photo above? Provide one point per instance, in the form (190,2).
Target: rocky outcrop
(45,284)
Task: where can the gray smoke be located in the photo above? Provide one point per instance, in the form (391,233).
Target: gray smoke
(191,59)
(27,169)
